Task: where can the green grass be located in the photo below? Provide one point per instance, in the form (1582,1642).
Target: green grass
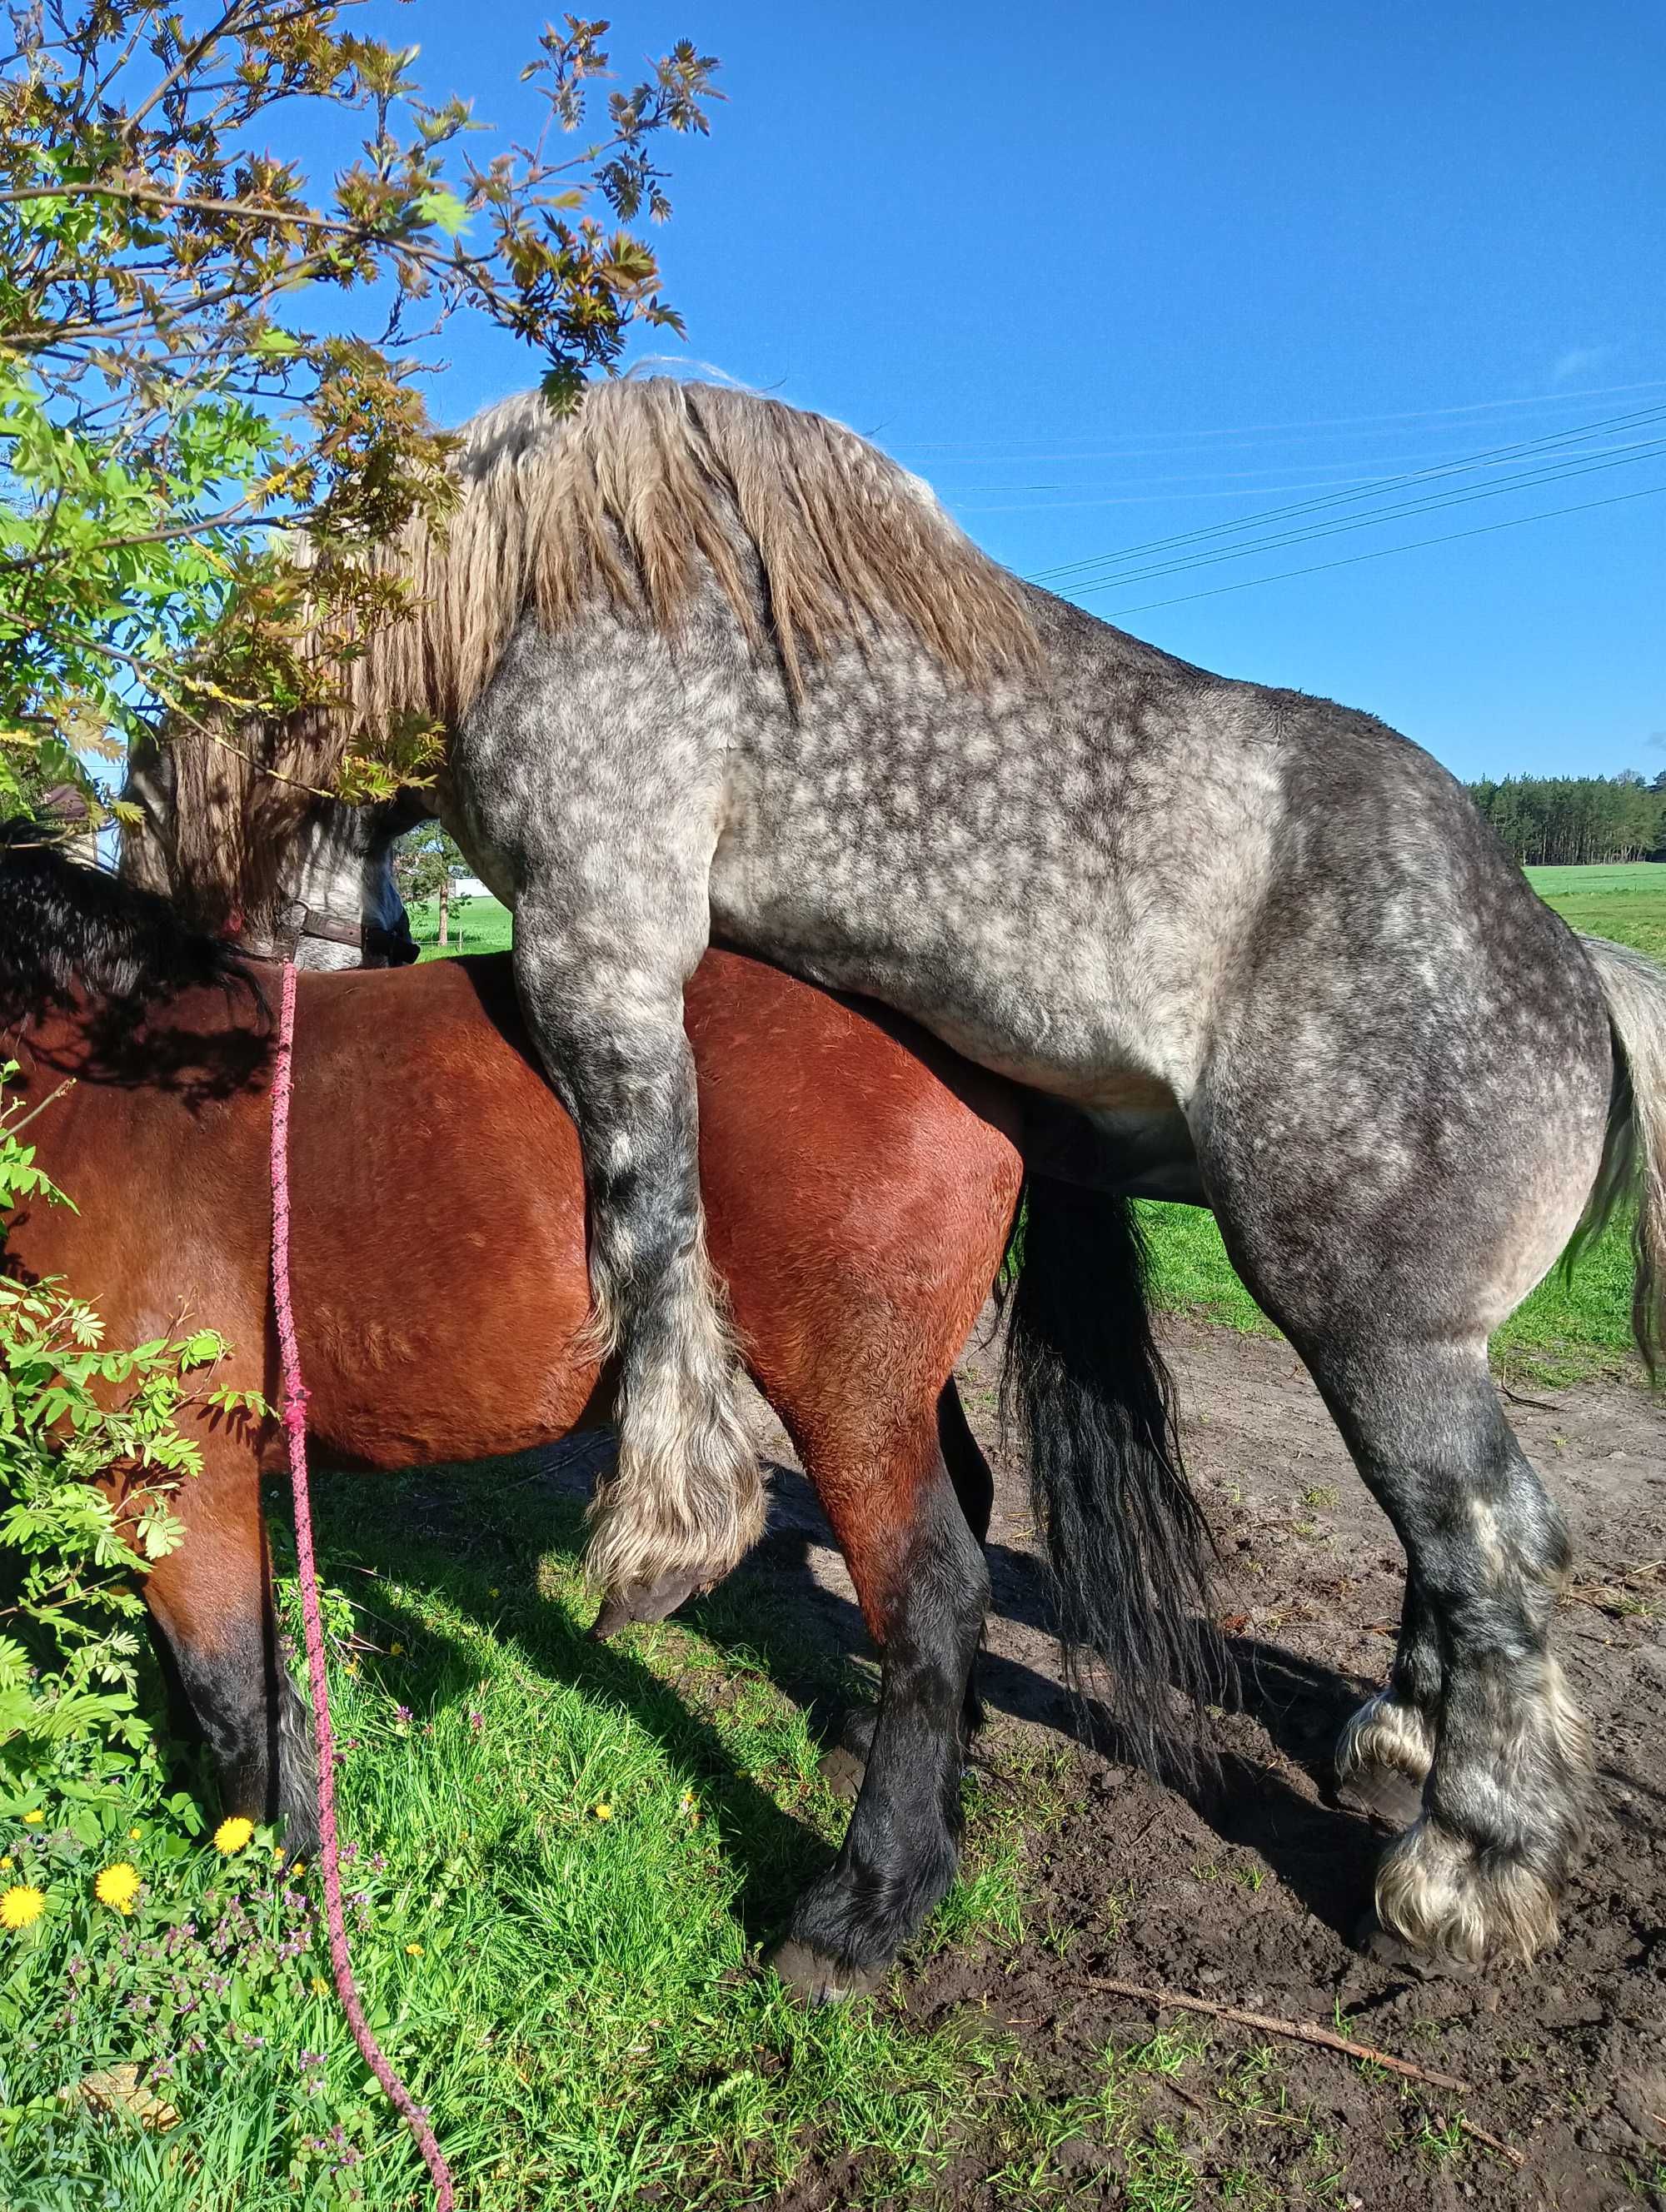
(474,925)
(1625,903)
(575,1993)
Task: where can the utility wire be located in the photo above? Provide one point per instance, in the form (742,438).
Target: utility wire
(1524,481)
(1382,552)
(1336,474)
(1383,488)
(968,446)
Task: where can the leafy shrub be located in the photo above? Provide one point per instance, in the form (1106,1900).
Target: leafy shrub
(72,1410)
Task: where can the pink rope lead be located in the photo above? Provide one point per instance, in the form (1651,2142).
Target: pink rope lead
(295,1423)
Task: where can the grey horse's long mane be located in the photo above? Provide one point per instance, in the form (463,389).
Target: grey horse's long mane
(812,535)
(653,492)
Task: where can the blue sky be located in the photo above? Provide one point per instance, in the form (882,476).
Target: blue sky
(1109,275)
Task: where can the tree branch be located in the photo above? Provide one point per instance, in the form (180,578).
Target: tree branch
(1323,2039)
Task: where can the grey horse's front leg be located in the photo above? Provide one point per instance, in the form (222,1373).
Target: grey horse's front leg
(685,1498)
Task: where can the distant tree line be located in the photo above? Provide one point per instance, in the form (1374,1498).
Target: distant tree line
(1569,821)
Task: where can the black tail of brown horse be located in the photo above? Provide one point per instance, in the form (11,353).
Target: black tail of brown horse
(1086,1387)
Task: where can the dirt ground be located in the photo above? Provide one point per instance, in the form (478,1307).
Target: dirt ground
(1253,1899)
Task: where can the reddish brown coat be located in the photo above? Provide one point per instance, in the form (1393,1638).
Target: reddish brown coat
(860,1184)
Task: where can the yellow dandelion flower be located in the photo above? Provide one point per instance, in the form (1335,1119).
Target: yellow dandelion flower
(133,1835)
(33,1817)
(231,1835)
(7,1864)
(414,1950)
(117,1885)
(21,1905)
(396,1649)
(603,1811)
(298,1869)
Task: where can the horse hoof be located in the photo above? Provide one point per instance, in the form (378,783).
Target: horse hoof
(843,1772)
(815,1979)
(1383,1794)
(1385,1948)
(633,1601)
(616,1614)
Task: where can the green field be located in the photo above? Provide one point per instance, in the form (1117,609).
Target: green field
(474,925)
(1628,904)
(1570,1329)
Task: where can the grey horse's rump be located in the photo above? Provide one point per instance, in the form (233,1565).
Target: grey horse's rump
(710,663)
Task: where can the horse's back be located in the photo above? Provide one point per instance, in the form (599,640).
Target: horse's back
(860,1180)
(439,1261)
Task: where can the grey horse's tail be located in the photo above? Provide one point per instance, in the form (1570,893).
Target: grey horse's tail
(1086,1387)
(1634,1153)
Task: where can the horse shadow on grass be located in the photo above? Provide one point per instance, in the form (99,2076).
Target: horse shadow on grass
(451,1550)
(777,1613)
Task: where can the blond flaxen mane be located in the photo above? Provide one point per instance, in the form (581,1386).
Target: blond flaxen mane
(651,493)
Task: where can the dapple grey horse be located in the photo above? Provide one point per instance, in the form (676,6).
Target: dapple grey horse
(707,664)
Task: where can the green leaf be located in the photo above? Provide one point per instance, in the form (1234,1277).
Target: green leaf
(443,207)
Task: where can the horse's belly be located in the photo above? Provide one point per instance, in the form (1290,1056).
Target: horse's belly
(1048,997)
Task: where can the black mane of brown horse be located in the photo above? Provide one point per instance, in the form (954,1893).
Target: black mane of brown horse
(66,928)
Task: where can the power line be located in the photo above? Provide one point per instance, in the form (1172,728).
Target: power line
(1382,552)
(1336,473)
(1525,480)
(1348,496)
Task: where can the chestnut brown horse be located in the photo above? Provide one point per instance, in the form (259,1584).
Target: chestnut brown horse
(862,1186)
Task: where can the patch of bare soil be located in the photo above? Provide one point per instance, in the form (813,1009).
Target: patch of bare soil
(1251,1898)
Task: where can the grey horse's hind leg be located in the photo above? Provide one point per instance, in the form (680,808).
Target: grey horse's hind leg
(1387,1749)
(1503,1795)
(685,1498)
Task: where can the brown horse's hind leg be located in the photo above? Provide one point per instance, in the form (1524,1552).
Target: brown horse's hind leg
(211,1605)
(924,1588)
(969,1471)
(974,1491)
